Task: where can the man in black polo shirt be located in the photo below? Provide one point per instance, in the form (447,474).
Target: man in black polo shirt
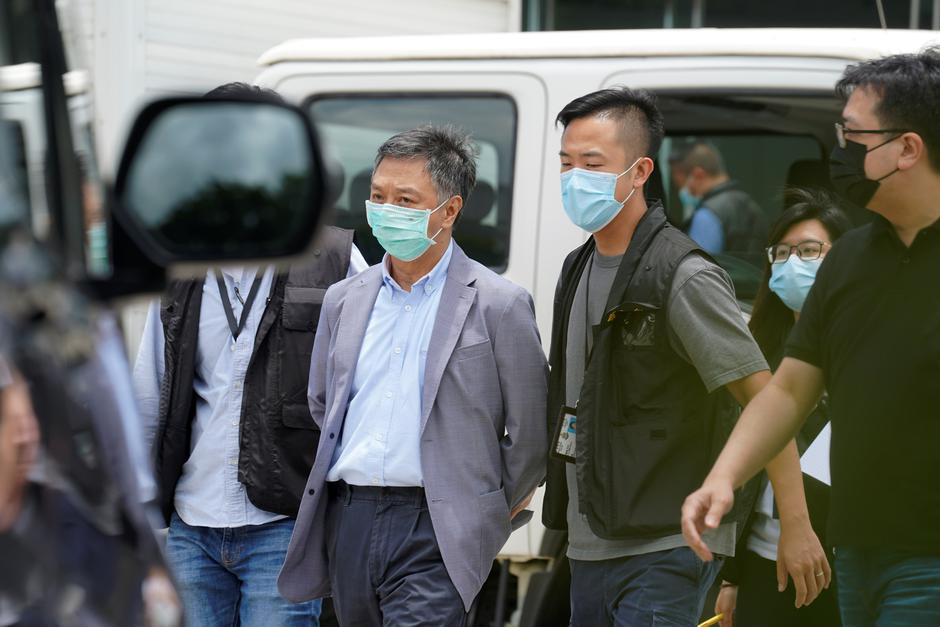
(870,334)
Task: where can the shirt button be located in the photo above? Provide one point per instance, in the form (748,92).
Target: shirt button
(332,435)
(397,350)
(232,461)
(234,423)
(232,347)
(408,308)
(311,491)
(388,395)
(375,481)
(905,259)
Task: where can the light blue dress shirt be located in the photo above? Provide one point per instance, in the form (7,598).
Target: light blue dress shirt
(380,441)
(208,493)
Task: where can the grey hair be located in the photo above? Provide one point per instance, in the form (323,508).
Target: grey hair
(450,154)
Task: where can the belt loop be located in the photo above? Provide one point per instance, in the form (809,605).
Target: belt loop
(347,496)
(419,498)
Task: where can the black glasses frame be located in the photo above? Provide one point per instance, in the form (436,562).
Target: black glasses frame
(841,132)
(772,258)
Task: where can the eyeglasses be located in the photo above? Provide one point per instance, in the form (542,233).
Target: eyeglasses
(807,251)
(841,132)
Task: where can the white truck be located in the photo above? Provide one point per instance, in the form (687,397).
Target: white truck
(764,97)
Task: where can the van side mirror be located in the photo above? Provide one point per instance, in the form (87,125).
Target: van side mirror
(220,179)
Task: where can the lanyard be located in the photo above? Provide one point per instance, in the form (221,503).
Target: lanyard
(236,328)
(588,326)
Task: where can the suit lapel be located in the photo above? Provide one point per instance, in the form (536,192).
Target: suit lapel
(456,298)
(354,318)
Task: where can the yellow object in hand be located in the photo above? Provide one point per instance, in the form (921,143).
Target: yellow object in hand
(714,620)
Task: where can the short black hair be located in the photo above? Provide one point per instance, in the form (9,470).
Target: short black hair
(909,88)
(244,91)
(703,155)
(627,106)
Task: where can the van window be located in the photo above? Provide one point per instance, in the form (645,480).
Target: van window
(354,126)
(759,167)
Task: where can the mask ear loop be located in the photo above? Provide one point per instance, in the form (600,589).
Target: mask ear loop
(885,143)
(429,217)
(630,195)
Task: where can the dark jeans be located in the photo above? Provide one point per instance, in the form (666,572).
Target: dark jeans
(228,576)
(760,605)
(888,588)
(385,564)
(662,589)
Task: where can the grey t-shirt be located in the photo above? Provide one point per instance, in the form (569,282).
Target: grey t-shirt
(706,328)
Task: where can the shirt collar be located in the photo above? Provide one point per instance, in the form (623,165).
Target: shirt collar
(430,282)
(882,227)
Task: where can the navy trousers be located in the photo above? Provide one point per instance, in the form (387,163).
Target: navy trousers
(385,564)
(661,589)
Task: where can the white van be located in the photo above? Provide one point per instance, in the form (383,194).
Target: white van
(764,97)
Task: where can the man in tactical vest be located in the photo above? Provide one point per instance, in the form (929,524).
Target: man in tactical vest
(722,217)
(221,378)
(646,329)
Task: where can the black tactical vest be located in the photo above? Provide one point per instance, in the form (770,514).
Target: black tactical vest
(742,221)
(277,436)
(647,429)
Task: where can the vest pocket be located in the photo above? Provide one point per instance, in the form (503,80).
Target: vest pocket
(301,308)
(297,416)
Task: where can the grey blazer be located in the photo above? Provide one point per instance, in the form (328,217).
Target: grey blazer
(483,438)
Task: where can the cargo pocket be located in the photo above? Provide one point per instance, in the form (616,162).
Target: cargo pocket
(297,416)
(301,308)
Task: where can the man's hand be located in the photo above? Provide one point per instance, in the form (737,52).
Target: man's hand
(726,602)
(801,555)
(703,509)
(524,503)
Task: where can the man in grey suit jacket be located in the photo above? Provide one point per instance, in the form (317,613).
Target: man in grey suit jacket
(429,382)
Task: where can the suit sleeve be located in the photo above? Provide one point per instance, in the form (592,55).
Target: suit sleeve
(523,380)
(319,360)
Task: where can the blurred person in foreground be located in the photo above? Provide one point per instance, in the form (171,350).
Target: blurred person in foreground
(428,381)
(750,594)
(221,378)
(869,334)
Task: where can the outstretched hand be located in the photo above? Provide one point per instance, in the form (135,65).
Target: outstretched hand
(703,510)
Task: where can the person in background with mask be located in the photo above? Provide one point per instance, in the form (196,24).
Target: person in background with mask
(722,217)
(750,591)
(870,333)
(646,327)
(429,384)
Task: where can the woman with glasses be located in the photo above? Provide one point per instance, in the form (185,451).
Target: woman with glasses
(749,596)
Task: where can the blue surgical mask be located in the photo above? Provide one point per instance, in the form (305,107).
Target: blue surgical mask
(792,279)
(588,197)
(688,200)
(402,231)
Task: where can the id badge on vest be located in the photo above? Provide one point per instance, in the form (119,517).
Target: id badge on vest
(564,441)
